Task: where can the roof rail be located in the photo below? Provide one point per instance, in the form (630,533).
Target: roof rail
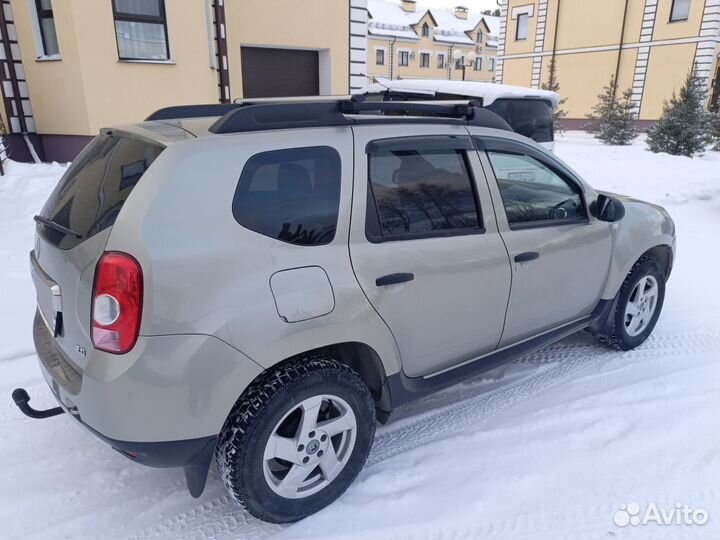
(192,111)
(281,116)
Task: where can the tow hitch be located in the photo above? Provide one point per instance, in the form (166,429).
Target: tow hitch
(22,399)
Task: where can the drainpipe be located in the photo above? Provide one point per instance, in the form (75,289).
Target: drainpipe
(557,24)
(622,40)
(221,51)
(392,57)
(449,61)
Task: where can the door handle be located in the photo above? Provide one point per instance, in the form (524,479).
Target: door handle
(526,256)
(392,279)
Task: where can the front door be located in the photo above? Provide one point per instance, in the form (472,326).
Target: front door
(560,255)
(424,244)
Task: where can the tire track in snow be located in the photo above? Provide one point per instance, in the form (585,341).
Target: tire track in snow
(222,518)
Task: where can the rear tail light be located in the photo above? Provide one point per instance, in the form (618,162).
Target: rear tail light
(117,303)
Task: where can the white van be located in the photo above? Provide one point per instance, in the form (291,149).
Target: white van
(528,111)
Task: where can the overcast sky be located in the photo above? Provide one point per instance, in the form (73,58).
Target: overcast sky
(472,5)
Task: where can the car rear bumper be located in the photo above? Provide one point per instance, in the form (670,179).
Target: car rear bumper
(168,388)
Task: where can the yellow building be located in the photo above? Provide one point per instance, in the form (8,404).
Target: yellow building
(74,66)
(648,45)
(408,41)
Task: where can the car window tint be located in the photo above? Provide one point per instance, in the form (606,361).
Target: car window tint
(532,192)
(94,189)
(530,117)
(291,195)
(422,192)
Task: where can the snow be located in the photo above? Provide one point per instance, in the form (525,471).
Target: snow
(548,447)
(488,91)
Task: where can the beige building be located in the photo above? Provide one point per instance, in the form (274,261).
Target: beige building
(408,41)
(648,45)
(74,66)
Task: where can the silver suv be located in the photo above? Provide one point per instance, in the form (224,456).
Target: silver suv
(261,283)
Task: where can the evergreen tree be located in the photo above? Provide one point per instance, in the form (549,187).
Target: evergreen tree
(614,117)
(553,85)
(684,128)
(715,125)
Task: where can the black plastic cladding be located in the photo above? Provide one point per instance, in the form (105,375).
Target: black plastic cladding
(238,118)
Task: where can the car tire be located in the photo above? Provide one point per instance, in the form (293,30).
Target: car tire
(285,425)
(637,306)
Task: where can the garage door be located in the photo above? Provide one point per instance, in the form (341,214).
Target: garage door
(279,72)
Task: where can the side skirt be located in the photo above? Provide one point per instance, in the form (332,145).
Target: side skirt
(404,389)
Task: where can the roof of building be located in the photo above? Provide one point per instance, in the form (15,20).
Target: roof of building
(389,19)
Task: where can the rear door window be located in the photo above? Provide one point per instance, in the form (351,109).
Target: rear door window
(530,117)
(94,189)
(292,195)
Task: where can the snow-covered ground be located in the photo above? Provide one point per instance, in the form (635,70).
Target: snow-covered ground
(548,447)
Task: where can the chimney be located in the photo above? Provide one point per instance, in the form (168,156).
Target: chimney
(461,12)
(408,5)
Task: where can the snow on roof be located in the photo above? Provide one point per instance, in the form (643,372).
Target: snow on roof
(493,24)
(489,92)
(389,19)
(452,29)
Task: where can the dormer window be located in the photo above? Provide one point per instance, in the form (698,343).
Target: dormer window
(425,30)
(479,36)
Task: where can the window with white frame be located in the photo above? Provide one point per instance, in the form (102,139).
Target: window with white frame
(46,24)
(424,60)
(460,62)
(491,64)
(521,32)
(441,61)
(425,30)
(141,29)
(380,57)
(403,58)
(479,37)
(680,10)
(477,66)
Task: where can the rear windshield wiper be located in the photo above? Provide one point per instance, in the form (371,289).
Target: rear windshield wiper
(56,226)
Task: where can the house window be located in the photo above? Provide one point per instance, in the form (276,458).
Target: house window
(441,61)
(680,10)
(425,30)
(403,58)
(380,57)
(478,64)
(491,64)
(141,29)
(460,62)
(46,22)
(479,36)
(425,60)
(521,32)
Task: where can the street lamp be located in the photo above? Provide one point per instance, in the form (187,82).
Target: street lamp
(458,55)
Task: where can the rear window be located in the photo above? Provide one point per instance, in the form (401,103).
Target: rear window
(530,117)
(291,195)
(92,192)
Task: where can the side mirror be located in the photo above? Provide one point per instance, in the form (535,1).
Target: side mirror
(607,208)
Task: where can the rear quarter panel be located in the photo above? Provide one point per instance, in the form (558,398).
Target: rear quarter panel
(206,274)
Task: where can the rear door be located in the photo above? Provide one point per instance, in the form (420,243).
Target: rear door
(424,244)
(560,254)
(87,200)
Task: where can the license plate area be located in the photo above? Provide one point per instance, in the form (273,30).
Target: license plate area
(49,297)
